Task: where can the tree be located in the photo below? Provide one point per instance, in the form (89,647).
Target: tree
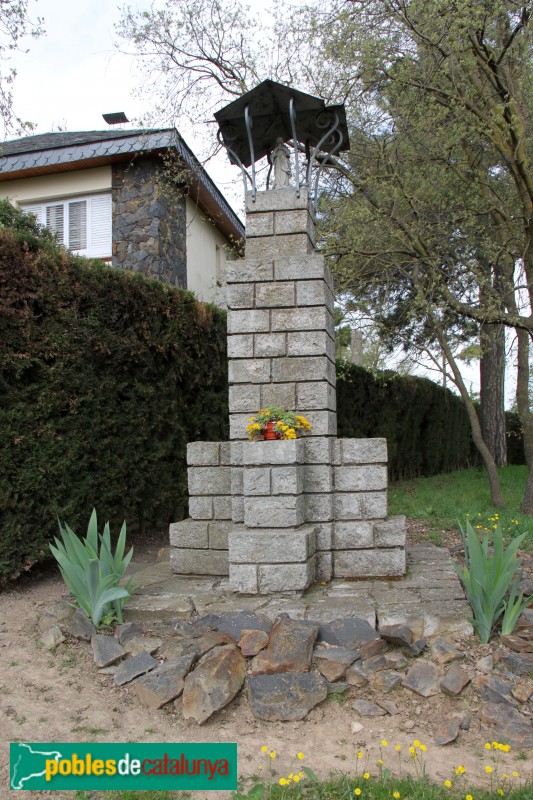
(15,24)
(429,218)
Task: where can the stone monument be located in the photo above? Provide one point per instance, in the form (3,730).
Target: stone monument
(277,515)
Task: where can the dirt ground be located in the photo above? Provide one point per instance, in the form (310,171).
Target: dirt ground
(60,696)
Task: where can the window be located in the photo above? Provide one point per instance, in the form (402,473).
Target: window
(83,224)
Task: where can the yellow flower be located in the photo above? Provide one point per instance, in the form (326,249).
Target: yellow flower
(300,775)
(448,784)
(272,754)
(416,743)
(469,797)
(379,762)
(423,748)
(384,742)
(460,770)
(506,748)
(397,747)
(264,749)
(359,755)
(496,745)
(301,756)
(487,745)
(283,781)
(412,751)
(500,792)
(296,778)
(357,791)
(366,775)
(396,795)
(505,775)
(488,770)
(515,774)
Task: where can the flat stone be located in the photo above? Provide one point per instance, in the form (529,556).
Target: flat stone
(127,630)
(522,691)
(290,648)
(332,662)
(80,626)
(414,650)
(520,664)
(356,676)
(455,680)
(351,633)
(444,652)
(366,709)
(503,723)
(485,664)
(386,680)
(373,648)
(214,682)
(494,690)
(165,606)
(199,645)
(396,634)
(517,643)
(235,622)
(423,678)
(60,611)
(165,683)
(285,696)
(52,637)
(390,707)
(448,731)
(393,660)
(356,727)
(106,650)
(253,641)
(141,644)
(133,667)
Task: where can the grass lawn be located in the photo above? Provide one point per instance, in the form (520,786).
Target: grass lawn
(444,500)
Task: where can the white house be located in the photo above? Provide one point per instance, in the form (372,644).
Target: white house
(112,195)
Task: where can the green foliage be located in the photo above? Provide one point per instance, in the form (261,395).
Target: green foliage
(93,572)
(487,575)
(426,426)
(104,378)
(25,227)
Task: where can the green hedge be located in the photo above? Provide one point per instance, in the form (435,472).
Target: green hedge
(426,426)
(104,377)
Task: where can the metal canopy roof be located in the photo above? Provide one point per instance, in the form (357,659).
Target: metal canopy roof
(269,112)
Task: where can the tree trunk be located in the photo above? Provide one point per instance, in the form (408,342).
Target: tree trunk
(525,414)
(492,473)
(492,393)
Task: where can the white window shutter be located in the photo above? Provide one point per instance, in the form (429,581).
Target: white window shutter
(100,227)
(37,210)
(77,225)
(55,220)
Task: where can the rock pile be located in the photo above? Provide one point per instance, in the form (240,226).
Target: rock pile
(289,666)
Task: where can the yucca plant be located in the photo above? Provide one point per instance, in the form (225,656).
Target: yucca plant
(487,575)
(93,572)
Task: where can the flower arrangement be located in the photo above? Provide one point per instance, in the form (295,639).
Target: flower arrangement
(285,424)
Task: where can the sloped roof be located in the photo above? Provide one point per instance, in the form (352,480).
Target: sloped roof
(48,153)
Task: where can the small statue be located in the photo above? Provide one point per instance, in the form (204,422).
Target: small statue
(281,160)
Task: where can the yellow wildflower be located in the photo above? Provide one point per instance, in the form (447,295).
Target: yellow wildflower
(264,749)
(448,784)
(423,748)
(384,742)
(366,775)
(272,754)
(416,743)
(283,781)
(500,792)
(397,747)
(301,756)
(359,755)
(357,791)
(515,774)
(396,795)
(379,762)
(488,770)
(469,797)
(296,778)
(487,745)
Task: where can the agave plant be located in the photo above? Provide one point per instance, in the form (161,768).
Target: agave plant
(487,576)
(92,571)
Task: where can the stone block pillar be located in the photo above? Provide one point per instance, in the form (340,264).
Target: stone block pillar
(276,515)
(281,344)
(274,549)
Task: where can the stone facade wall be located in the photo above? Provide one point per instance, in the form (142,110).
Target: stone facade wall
(149,231)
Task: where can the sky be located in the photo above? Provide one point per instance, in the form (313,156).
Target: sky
(74,73)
